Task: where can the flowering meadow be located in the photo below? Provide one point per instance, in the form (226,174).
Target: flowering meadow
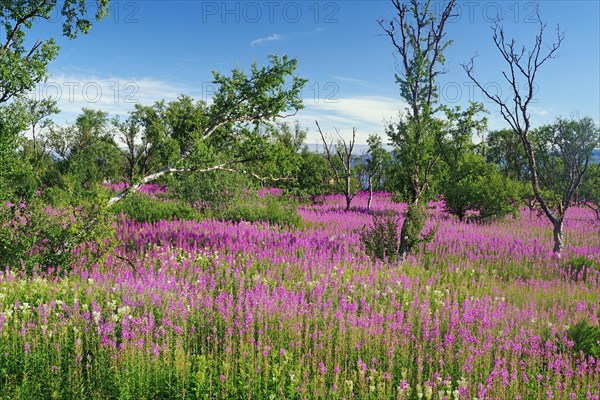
(223,310)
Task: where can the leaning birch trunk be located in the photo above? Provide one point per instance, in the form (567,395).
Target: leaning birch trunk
(558,237)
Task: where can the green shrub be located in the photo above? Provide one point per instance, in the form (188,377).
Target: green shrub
(586,338)
(382,239)
(35,237)
(251,208)
(210,190)
(65,191)
(480,189)
(145,209)
(578,268)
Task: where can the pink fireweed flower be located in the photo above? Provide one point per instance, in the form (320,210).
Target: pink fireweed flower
(322,369)
(362,366)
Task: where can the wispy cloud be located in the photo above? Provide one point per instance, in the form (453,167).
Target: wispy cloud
(365,113)
(272,38)
(357,82)
(119,95)
(290,35)
(115,95)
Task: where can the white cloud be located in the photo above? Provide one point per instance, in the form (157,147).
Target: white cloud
(272,38)
(115,95)
(118,95)
(365,113)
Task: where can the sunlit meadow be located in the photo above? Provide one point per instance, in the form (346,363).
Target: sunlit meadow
(216,309)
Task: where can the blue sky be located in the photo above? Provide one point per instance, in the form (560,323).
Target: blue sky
(156,49)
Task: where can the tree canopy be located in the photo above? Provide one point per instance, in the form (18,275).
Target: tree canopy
(24,63)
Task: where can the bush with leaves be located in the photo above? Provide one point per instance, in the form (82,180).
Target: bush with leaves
(279,210)
(476,187)
(142,208)
(381,240)
(579,268)
(213,190)
(585,338)
(313,178)
(412,229)
(35,237)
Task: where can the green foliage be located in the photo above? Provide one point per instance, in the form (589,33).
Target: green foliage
(459,130)
(578,268)
(35,237)
(418,35)
(504,148)
(183,136)
(313,177)
(230,195)
(145,209)
(234,206)
(32,151)
(372,171)
(13,120)
(168,129)
(261,96)
(139,154)
(24,160)
(562,151)
(87,150)
(411,235)
(23,63)
(64,190)
(381,240)
(585,338)
(251,208)
(275,152)
(589,191)
(477,187)
(98,162)
(416,157)
(215,190)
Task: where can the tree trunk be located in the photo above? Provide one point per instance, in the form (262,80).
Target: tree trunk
(411,229)
(403,248)
(348,194)
(558,237)
(370,193)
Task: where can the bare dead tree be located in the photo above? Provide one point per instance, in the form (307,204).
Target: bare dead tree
(339,158)
(523,66)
